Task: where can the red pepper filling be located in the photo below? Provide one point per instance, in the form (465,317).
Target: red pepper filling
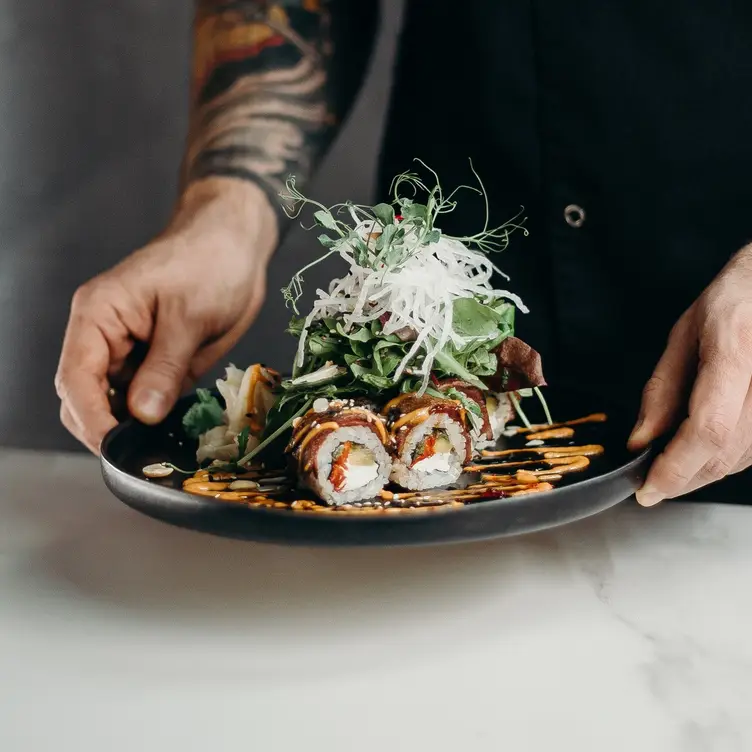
(427,449)
(338,476)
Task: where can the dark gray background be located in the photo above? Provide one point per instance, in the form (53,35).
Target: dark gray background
(93,111)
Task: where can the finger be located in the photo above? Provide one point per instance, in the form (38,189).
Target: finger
(71,426)
(733,458)
(81,383)
(88,409)
(158,382)
(209,354)
(715,408)
(211,351)
(744,463)
(664,394)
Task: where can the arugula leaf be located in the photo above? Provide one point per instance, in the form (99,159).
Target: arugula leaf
(361,349)
(321,344)
(206,413)
(452,366)
(409,384)
(507,313)
(386,363)
(367,376)
(359,334)
(471,318)
(482,362)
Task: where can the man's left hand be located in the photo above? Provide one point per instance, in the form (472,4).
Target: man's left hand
(708,359)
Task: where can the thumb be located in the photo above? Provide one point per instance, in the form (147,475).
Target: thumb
(159,381)
(664,394)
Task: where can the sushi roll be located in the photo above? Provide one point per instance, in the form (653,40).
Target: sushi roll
(430,441)
(338,450)
(500,412)
(476,404)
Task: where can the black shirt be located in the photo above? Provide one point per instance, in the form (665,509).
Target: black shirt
(636,112)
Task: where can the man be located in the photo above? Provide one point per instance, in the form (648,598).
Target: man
(622,127)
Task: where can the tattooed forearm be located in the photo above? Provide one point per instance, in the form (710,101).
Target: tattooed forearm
(264,104)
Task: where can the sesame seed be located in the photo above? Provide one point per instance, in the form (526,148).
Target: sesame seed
(320,405)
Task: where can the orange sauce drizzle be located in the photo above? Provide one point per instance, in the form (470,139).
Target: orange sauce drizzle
(502,473)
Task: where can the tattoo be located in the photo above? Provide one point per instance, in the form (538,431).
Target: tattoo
(262,107)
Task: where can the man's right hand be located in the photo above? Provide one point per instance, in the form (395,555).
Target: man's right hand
(190,294)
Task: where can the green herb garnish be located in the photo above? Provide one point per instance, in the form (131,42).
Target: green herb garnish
(206,413)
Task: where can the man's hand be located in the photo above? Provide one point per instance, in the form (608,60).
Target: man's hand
(709,358)
(190,295)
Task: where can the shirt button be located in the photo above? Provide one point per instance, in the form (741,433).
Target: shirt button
(574,215)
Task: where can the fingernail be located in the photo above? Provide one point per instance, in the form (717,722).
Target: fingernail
(151,405)
(649,497)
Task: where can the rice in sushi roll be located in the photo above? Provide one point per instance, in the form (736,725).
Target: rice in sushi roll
(339,452)
(500,412)
(430,441)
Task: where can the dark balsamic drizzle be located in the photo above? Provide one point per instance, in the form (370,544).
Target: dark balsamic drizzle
(500,473)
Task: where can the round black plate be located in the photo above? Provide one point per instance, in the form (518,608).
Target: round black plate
(131,445)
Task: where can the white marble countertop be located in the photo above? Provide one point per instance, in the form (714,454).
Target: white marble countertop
(629,631)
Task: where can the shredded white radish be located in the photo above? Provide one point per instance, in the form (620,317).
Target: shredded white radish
(417,295)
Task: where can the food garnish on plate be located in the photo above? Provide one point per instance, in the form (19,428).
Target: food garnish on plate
(407,367)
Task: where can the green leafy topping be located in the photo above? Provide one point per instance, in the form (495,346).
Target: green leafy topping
(454,367)
(416,302)
(469,404)
(472,408)
(391,241)
(206,413)
(471,318)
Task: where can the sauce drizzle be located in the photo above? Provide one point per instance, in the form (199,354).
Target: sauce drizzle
(497,474)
